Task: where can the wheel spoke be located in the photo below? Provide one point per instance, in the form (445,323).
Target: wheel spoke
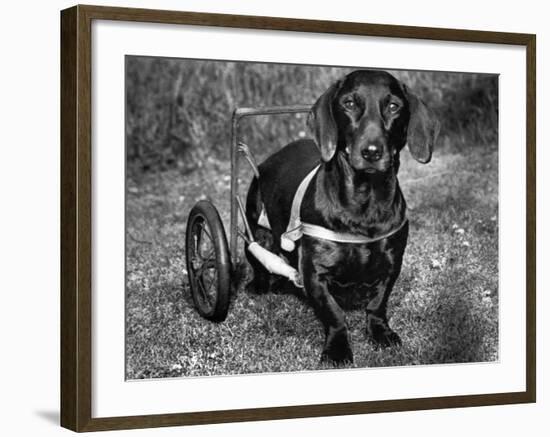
(195,243)
(204,229)
(204,292)
(214,279)
(208,256)
(211,281)
(210,263)
(207,264)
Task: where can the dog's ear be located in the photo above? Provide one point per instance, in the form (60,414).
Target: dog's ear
(423,128)
(322,125)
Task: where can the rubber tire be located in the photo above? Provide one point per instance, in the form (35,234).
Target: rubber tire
(205,210)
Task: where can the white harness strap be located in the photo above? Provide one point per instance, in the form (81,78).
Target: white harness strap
(296,228)
(343,237)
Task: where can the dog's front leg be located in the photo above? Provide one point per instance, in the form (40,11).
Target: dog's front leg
(378,329)
(337,346)
(390,261)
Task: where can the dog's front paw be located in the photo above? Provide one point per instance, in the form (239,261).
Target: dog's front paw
(337,349)
(384,337)
(337,357)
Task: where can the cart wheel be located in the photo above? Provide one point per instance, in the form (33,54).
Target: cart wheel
(208,262)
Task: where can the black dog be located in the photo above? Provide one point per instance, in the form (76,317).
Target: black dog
(360,124)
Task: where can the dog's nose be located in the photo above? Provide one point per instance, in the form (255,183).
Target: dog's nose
(372,153)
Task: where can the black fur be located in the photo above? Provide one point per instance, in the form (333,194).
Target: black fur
(360,124)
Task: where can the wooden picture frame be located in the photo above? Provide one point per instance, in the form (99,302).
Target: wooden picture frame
(76,217)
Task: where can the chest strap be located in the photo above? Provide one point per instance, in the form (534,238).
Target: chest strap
(344,237)
(296,228)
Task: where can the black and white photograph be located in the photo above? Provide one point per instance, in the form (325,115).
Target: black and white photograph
(284,218)
(271,219)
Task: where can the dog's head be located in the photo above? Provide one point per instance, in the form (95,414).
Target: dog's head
(368,117)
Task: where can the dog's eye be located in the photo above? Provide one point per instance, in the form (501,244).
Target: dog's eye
(349,104)
(393,107)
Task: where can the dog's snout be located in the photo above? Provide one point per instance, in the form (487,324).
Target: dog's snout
(372,153)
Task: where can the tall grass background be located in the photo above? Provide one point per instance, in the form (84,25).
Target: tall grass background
(179,111)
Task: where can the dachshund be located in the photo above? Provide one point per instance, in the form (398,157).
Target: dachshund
(359,126)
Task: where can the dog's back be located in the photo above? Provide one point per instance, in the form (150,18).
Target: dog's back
(280,176)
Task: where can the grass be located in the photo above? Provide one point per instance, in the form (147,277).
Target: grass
(444,305)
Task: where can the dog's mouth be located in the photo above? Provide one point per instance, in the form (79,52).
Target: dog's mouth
(371,170)
(361,165)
